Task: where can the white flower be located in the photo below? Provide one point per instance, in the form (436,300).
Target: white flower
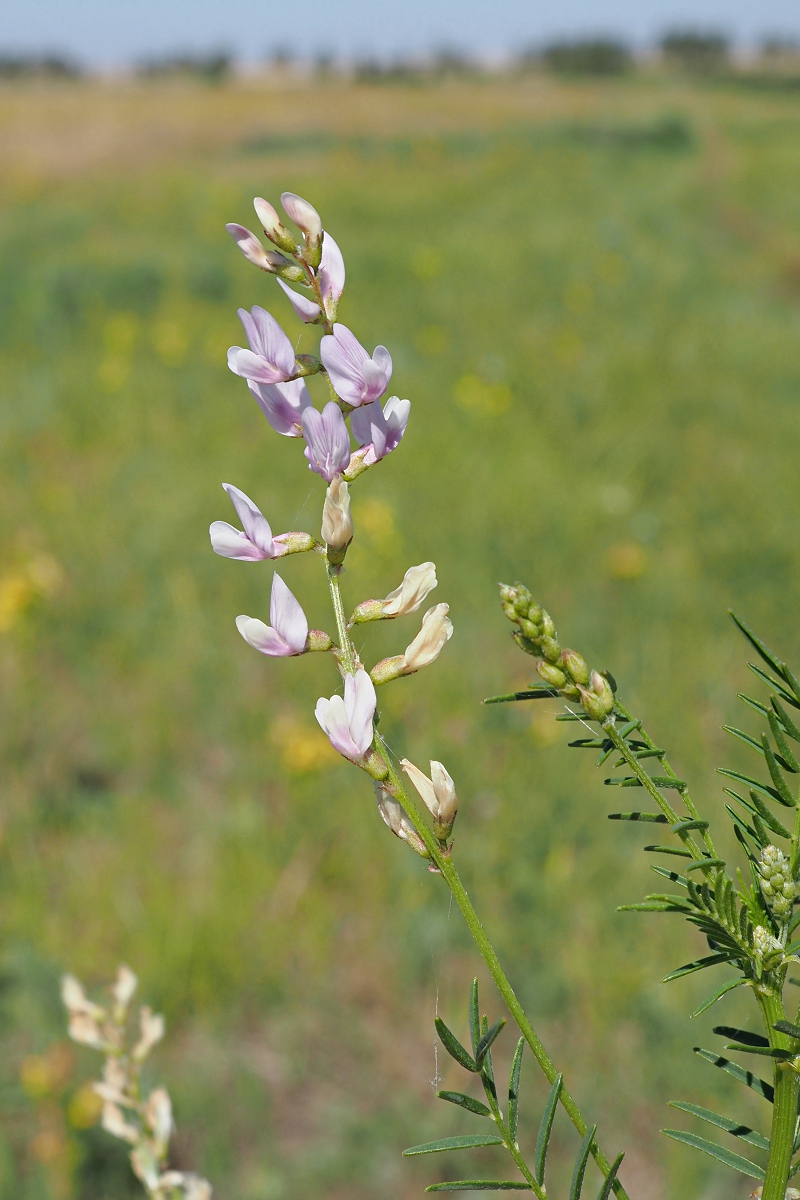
(438,792)
(426,647)
(337,524)
(417,584)
(152,1030)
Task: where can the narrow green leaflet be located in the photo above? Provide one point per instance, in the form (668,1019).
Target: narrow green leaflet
(464,1142)
(545,1127)
(453,1046)
(760,647)
(760,1086)
(468,1102)
(656,818)
(608,1183)
(775,774)
(788,1028)
(784,749)
(718,994)
(479,1185)
(761,788)
(735,1161)
(743,737)
(783,692)
(734,1127)
(486,1041)
(699,964)
(741,1035)
(780,1055)
(676,850)
(474,1015)
(576,1186)
(785,719)
(534,693)
(513,1090)
(686,826)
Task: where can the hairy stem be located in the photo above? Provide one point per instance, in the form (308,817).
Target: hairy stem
(784,1108)
(451,877)
(349,659)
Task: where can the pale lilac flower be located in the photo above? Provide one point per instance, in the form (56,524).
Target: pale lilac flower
(270,358)
(252,545)
(356,377)
(331,281)
(328,449)
(249,245)
(304,215)
(272,225)
(283,404)
(348,721)
(288,633)
(378,430)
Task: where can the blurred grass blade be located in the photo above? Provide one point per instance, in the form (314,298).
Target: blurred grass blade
(735,1161)
(736,1128)
(759,1086)
(608,1183)
(462,1142)
(479,1185)
(545,1127)
(718,994)
(513,1090)
(453,1046)
(579,1170)
(469,1102)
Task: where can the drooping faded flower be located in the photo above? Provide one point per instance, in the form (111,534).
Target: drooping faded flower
(288,633)
(270,358)
(378,430)
(328,448)
(438,793)
(255,541)
(283,404)
(348,721)
(418,583)
(426,647)
(357,378)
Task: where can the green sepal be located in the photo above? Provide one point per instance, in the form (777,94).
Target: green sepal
(759,1086)
(718,994)
(655,818)
(741,1035)
(735,1161)
(454,1048)
(474,1016)
(736,1128)
(579,1171)
(487,1040)
(468,1102)
(465,1141)
(479,1185)
(699,964)
(762,788)
(545,1127)
(775,774)
(513,1090)
(608,1182)
(792,1031)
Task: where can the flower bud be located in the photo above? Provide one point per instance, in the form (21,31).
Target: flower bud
(273,227)
(509,610)
(546,622)
(777,885)
(768,950)
(507,593)
(249,245)
(337,524)
(599,701)
(550,649)
(318,640)
(293,543)
(524,643)
(522,600)
(438,794)
(528,628)
(576,666)
(551,675)
(306,218)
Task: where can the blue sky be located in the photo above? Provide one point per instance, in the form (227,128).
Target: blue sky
(117,31)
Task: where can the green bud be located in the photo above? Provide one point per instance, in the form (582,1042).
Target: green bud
(367,610)
(507,592)
(528,628)
(312,252)
(525,643)
(548,627)
(535,612)
(576,666)
(551,675)
(509,610)
(572,692)
(522,601)
(318,640)
(307,364)
(292,273)
(550,649)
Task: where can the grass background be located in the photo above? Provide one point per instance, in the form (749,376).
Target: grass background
(591,293)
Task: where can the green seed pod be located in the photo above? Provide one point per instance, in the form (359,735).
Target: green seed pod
(576,666)
(551,675)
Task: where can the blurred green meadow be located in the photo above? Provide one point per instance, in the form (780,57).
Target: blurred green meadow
(591,292)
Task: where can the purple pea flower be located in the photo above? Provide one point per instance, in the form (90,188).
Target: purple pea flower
(331,281)
(378,430)
(288,633)
(348,721)
(255,543)
(357,378)
(270,358)
(328,449)
(283,404)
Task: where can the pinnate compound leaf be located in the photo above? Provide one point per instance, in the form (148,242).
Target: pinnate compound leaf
(545,1127)
(463,1142)
(733,1127)
(480,1185)
(579,1170)
(469,1102)
(760,1086)
(513,1090)
(608,1182)
(454,1048)
(735,1161)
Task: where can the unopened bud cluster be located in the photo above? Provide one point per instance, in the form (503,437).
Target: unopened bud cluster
(768,950)
(564,670)
(777,885)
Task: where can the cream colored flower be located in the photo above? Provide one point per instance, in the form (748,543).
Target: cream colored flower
(438,792)
(418,583)
(152,1031)
(426,647)
(337,524)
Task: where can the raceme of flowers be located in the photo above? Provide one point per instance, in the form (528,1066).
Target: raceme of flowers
(353,429)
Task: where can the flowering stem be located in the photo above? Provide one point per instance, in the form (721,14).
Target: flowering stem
(784,1108)
(348,655)
(451,877)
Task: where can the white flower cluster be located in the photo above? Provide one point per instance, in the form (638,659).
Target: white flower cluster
(777,884)
(144,1122)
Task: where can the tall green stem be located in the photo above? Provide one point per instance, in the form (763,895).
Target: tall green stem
(349,659)
(784,1106)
